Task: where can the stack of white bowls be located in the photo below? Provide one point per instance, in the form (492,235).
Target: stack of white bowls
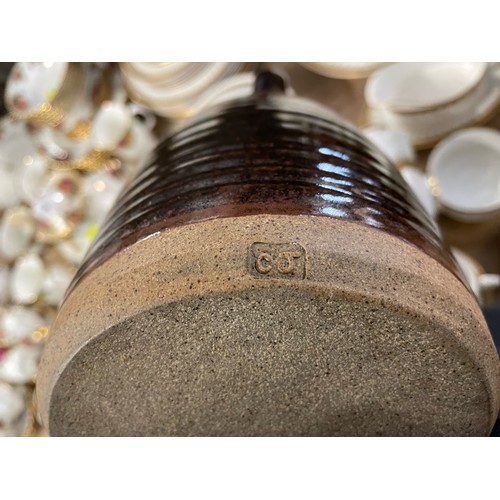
(172,89)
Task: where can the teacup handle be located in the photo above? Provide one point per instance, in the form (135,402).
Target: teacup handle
(143,114)
(488,281)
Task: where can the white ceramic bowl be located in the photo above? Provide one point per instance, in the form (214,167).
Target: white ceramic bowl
(173,94)
(343,70)
(464,170)
(429,100)
(233,87)
(417,86)
(155,71)
(179,87)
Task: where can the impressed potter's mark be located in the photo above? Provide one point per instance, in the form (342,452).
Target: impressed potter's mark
(277,260)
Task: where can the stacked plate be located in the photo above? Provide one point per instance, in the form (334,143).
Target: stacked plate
(171,89)
(343,70)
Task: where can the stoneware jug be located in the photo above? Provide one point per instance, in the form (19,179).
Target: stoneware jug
(269,273)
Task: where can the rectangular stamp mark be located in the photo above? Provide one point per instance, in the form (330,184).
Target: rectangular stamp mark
(277,260)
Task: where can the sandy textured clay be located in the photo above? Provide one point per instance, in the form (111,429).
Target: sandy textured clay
(181,334)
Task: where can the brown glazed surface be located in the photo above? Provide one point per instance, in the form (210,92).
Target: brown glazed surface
(269,154)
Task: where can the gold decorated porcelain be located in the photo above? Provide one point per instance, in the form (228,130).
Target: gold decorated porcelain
(42,93)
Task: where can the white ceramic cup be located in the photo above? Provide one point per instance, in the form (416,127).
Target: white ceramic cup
(56,281)
(19,365)
(15,142)
(43,92)
(478,280)
(110,125)
(18,324)
(4,284)
(26,279)
(17,228)
(464,171)
(32,176)
(11,404)
(59,207)
(429,100)
(16,146)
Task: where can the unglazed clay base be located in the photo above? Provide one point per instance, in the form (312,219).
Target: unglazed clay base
(270,325)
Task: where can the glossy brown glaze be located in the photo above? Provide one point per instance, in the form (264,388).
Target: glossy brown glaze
(268,154)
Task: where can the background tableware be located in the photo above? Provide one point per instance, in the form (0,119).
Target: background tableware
(17,323)
(16,146)
(171,88)
(479,281)
(430,100)
(233,87)
(394,143)
(59,206)
(4,284)
(343,70)
(17,228)
(11,406)
(43,93)
(464,169)
(19,364)
(417,180)
(26,280)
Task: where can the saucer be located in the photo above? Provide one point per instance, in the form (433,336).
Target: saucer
(464,168)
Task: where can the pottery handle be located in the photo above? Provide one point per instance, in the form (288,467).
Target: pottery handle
(270,81)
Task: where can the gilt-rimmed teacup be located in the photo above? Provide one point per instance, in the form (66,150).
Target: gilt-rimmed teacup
(17,228)
(43,92)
